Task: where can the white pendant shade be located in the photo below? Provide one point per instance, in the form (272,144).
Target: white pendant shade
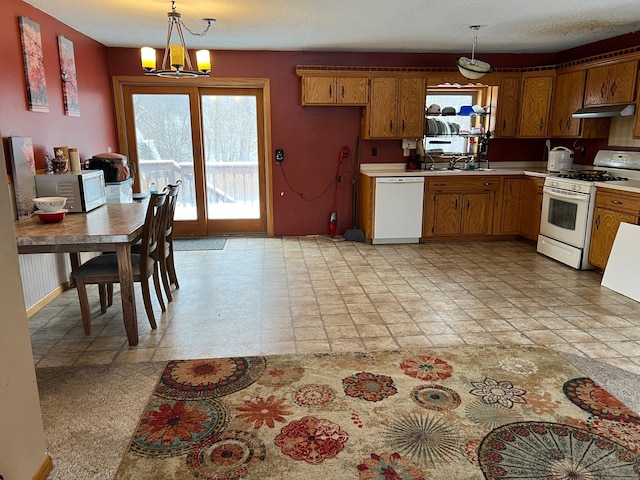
(471,67)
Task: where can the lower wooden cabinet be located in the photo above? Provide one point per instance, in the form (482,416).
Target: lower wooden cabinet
(513,190)
(612,208)
(459,206)
(531,212)
(461,213)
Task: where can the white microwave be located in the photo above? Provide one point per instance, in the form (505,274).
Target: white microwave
(84,190)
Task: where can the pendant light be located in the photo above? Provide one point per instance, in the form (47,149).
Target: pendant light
(471,67)
(177,53)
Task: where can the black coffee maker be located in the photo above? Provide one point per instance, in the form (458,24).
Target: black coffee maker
(413,162)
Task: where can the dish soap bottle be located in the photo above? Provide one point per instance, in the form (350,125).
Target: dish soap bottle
(152,189)
(471,165)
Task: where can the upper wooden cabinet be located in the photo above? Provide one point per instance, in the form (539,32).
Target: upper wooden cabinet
(535,105)
(611,84)
(335,90)
(567,98)
(507,107)
(568,94)
(396,108)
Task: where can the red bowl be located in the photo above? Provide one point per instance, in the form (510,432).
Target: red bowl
(51,217)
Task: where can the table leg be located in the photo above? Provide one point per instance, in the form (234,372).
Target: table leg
(125,272)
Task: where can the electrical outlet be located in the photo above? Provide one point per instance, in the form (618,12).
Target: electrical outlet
(374,151)
(279,155)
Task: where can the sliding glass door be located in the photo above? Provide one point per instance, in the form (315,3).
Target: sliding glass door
(212,139)
(232,152)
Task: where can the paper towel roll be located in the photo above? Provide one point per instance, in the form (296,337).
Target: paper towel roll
(74,159)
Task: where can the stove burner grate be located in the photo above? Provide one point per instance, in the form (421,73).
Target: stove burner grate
(592,176)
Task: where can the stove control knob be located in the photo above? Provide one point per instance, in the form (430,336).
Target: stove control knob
(576,188)
(554,183)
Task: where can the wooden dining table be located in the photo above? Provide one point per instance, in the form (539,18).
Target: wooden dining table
(108,228)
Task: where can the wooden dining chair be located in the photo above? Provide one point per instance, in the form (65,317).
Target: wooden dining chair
(164,254)
(103,270)
(167,265)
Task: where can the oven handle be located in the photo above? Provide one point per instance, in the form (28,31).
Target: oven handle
(557,193)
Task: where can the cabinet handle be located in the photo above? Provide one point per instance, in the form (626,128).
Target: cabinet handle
(486,184)
(602,90)
(540,125)
(614,87)
(616,202)
(439,184)
(468,204)
(391,125)
(456,208)
(598,222)
(568,123)
(560,124)
(342,91)
(330,92)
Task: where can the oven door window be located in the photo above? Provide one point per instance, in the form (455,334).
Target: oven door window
(566,216)
(562,214)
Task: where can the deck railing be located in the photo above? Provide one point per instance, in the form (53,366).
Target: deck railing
(227,182)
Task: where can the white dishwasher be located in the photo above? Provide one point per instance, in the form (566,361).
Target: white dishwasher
(398,210)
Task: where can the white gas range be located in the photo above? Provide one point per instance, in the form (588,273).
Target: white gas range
(568,202)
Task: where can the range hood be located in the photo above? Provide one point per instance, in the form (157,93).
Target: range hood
(604,111)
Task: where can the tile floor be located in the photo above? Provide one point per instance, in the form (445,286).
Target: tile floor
(312,294)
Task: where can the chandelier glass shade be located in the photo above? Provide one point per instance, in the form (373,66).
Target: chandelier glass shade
(473,68)
(176,62)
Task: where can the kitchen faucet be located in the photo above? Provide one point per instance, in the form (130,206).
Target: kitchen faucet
(454,160)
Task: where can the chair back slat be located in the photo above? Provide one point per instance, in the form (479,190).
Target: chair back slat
(152,231)
(170,209)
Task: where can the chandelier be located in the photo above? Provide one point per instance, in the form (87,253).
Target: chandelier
(471,67)
(177,53)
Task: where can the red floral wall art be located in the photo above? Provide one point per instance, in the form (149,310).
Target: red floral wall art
(33,65)
(69,79)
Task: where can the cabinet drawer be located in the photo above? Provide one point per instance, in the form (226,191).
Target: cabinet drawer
(460,184)
(618,201)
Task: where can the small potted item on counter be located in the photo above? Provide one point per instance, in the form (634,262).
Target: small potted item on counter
(60,163)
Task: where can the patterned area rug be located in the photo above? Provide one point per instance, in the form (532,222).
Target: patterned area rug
(451,413)
(183,244)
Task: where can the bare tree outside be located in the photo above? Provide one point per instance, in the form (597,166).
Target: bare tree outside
(165,151)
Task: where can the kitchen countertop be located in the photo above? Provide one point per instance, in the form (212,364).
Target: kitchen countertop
(532,169)
(626,186)
(505,168)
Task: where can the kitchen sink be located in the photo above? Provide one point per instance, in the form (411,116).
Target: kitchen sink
(456,170)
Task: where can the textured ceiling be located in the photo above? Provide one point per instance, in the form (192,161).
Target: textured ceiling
(518,26)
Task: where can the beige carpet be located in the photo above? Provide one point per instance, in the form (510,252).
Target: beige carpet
(461,413)
(90,413)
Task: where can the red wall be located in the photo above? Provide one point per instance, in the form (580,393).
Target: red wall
(94,130)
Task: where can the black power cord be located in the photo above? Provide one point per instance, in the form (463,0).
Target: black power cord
(301,194)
